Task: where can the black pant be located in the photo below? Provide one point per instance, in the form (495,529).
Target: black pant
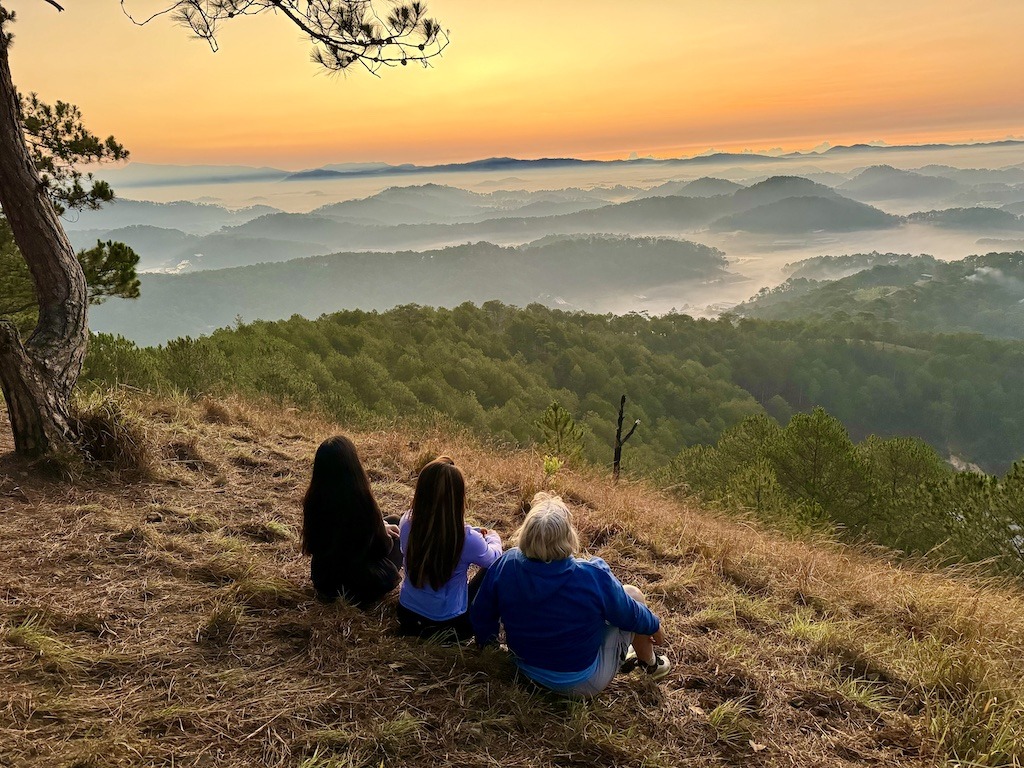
(457,629)
(395,555)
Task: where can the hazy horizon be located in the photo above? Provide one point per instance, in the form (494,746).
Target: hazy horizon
(527,82)
(305,195)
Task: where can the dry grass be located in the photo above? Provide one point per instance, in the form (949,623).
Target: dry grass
(170,621)
(111,435)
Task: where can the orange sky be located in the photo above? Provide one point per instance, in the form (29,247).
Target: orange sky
(534,78)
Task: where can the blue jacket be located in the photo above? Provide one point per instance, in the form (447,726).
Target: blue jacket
(555,614)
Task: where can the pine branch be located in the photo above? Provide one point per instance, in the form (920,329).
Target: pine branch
(343,32)
(6,311)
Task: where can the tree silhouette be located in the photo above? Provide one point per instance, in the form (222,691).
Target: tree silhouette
(620,440)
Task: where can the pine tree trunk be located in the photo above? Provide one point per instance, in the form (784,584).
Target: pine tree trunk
(38,375)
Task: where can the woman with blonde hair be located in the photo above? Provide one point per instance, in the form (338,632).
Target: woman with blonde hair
(568,621)
(439,548)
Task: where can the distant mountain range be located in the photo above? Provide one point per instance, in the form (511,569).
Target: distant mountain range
(155,175)
(507,164)
(192,236)
(145,174)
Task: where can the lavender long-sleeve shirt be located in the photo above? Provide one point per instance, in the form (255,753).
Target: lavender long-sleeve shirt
(452,599)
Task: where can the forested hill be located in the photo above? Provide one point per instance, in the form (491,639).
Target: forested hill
(979,294)
(496,368)
(577,271)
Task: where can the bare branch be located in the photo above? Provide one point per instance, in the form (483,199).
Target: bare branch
(55,5)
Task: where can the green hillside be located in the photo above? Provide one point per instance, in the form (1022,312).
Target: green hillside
(495,369)
(979,294)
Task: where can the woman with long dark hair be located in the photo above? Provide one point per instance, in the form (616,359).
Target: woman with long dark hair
(354,551)
(439,548)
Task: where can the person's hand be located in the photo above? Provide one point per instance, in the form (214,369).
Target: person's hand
(392,530)
(483,531)
(658,638)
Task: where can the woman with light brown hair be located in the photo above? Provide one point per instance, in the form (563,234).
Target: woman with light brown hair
(439,547)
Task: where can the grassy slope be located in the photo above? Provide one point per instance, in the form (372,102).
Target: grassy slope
(171,620)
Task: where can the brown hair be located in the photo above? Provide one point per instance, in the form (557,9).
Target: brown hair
(438,528)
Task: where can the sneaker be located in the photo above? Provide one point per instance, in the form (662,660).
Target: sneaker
(656,669)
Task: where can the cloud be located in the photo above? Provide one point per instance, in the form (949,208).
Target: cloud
(994,276)
(181,266)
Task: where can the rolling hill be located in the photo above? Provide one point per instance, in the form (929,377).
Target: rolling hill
(158,247)
(980,294)
(580,271)
(192,218)
(705,186)
(794,215)
(778,188)
(883,182)
(981,219)
(430,216)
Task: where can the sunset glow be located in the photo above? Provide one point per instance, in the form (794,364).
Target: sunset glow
(535,79)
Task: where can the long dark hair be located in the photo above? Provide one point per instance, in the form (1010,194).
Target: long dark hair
(339,513)
(438,528)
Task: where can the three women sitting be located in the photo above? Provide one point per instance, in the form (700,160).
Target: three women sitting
(568,621)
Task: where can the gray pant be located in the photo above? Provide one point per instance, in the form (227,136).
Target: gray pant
(609,659)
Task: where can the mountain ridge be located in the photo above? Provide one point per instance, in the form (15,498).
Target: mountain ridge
(154,174)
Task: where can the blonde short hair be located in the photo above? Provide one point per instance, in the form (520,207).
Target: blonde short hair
(547,533)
